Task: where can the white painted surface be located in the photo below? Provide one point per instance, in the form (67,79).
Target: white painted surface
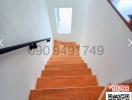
(104,27)
(19,72)
(22,21)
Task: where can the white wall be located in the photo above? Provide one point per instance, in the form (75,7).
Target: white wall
(104,27)
(19,70)
(23,21)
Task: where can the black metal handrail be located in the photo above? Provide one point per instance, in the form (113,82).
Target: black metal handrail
(15,47)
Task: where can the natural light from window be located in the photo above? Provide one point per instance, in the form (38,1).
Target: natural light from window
(123,4)
(63,18)
(125,8)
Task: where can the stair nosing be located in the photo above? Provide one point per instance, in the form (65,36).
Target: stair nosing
(94,86)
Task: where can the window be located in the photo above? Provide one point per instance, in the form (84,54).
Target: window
(124,9)
(63,18)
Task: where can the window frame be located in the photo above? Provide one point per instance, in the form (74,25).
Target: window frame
(57,18)
(128,23)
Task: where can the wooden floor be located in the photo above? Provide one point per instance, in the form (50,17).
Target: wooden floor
(66,77)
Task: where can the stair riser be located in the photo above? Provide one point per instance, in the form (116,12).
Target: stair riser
(60,63)
(66,77)
(65,73)
(65,60)
(61,82)
(65,68)
(66,65)
(65,57)
(91,93)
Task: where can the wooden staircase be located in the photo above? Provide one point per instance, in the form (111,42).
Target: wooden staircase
(66,77)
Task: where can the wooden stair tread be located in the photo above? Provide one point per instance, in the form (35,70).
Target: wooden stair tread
(60,82)
(67,65)
(66,77)
(65,59)
(66,68)
(76,93)
(62,63)
(66,72)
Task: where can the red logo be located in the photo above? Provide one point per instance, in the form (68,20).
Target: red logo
(119,88)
